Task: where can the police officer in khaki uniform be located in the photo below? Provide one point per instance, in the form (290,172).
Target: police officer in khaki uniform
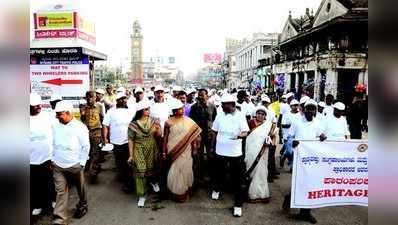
(92,115)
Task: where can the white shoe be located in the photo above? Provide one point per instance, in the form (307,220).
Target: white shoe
(36,212)
(237,211)
(53,204)
(141,202)
(215,195)
(155,187)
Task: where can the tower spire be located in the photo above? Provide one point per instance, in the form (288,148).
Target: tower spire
(137,72)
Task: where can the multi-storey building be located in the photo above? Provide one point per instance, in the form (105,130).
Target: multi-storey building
(248,55)
(231,77)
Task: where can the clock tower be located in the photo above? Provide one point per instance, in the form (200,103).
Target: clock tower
(137,72)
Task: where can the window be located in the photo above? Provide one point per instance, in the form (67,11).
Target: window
(328,6)
(344,42)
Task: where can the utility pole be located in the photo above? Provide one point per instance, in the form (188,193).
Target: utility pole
(272,61)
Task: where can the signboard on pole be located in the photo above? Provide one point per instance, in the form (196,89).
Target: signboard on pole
(68,80)
(330,173)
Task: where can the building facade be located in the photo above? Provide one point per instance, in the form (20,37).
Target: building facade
(231,76)
(325,53)
(149,70)
(137,70)
(248,56)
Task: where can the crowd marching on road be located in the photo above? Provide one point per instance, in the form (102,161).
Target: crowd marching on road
(169,142)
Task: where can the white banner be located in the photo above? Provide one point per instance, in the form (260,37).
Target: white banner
(330,173)
(68,80)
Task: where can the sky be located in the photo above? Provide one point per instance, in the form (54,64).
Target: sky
(185,29)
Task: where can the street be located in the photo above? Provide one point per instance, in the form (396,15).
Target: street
(109,205)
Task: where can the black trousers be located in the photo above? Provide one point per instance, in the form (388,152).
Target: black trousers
(202,160)
(42,190)
(271,161)
(355,131)
(234,166)
(286,202)
(121,154)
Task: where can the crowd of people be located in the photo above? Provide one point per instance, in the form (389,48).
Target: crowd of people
(170,142)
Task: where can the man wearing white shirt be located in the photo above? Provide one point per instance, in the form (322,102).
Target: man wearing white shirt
(116,122)
(320,115)
(138,95)
(251,108)
(305,128)
(303,100)
(42,191)
(329,105)
(284,109)
(335,126)
(71,147)
(160,109)
(242,103)
(175,90)
(285,105)
(229,128)
(288,119)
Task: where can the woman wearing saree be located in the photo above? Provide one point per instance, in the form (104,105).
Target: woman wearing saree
(143,150)
(181,140)
(259,130)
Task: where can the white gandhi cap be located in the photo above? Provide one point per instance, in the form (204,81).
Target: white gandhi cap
(120,95)
(265,98)
(35,99)
(228,98)
(339,106)
(310,102)
(304,99)
(294,102)
(63,106)
(321,104)
(143,105)
(158,88)
(138,89)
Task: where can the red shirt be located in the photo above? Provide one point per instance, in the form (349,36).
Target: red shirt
(252,124)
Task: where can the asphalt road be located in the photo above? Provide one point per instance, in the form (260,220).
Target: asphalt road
(108,205)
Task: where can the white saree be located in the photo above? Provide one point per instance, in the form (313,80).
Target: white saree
(258,189)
